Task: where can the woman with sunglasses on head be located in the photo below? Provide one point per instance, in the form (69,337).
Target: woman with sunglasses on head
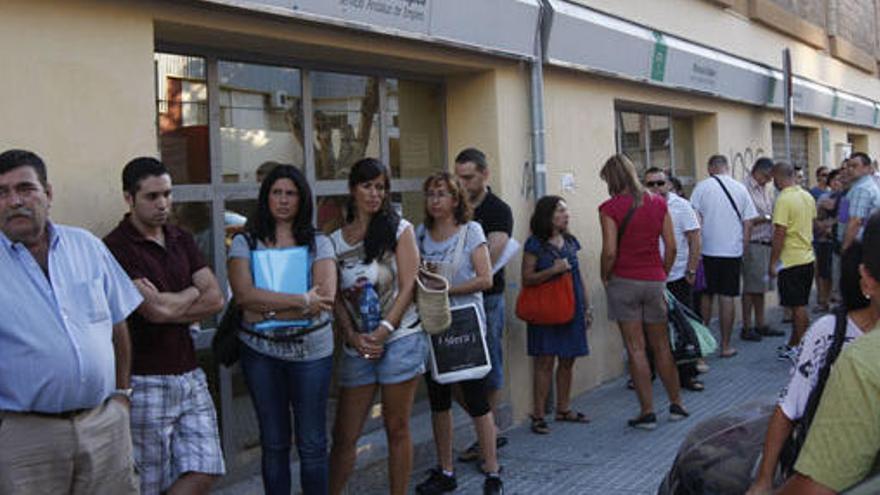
(454,246)
(385,347)
(287,368)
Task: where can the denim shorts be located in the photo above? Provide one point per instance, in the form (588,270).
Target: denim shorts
(402,360)
(494,306)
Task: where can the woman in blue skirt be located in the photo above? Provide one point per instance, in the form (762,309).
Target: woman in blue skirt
(549,252)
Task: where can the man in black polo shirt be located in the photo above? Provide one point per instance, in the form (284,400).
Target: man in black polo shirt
(497,221)
(173,421)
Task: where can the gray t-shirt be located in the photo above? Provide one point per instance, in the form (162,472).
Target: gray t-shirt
(442,253)
(315,345)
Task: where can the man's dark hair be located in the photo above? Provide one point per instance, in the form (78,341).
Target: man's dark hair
(820,170)
(139,169)
(763,164)
(473,155)
(862,157)
(785,168)
(871,246)
(654,170)
(717,161)
(14,158)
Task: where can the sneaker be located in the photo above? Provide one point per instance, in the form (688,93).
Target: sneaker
(749,334)
(437,483)
(786,353)
(644,422)
(493,485)
(767,331)
(677,413)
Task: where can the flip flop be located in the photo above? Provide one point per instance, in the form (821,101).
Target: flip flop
(729,353)
(572,416)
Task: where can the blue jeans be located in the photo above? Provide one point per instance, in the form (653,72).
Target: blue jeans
(494,306)
(276,386)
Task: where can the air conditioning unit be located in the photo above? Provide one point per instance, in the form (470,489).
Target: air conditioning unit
(280,100)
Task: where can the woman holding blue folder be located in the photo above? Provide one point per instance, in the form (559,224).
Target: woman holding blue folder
(385,347)
(287,351)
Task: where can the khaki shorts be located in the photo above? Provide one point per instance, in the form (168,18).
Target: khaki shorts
(756,262)
(636,300)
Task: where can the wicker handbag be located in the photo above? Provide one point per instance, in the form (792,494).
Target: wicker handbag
(432,301)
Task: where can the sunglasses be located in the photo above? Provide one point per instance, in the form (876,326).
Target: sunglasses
(655,183)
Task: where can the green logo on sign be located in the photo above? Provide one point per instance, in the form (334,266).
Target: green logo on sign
(658,61)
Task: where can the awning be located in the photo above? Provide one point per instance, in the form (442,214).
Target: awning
(502,27)
(584,39)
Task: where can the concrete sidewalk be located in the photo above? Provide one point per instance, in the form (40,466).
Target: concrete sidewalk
(604,456)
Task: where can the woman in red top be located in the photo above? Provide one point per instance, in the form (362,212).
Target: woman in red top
(633,221)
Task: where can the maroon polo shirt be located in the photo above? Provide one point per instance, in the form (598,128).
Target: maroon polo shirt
(158,348)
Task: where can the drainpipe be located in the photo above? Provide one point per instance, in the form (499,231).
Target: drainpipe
(539,161)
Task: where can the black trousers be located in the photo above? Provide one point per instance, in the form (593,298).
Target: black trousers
(683,291)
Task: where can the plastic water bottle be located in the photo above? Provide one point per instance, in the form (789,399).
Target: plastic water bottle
(371,312)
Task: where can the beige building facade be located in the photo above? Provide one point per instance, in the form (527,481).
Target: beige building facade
(218,88)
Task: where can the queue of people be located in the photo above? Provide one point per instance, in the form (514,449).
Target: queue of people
(125,388)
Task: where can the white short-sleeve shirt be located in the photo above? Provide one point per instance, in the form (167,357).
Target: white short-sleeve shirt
(811,357)
(684,220)
(722,229)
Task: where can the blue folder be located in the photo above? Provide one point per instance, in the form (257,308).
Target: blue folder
(281,270)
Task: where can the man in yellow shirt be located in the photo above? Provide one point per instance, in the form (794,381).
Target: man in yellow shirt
(791,256)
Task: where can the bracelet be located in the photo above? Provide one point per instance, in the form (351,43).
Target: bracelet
(388,325)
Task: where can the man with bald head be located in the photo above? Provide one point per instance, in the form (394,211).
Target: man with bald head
(791,257)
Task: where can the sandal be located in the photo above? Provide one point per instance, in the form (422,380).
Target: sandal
(572,416)
(539,426)
(729,353)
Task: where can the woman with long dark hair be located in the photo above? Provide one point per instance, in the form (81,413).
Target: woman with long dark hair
(633,222)
(861,318)
(287,368)
(548,253)
(455,247)
(385,347)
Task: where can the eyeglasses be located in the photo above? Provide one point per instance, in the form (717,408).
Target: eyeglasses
(655,183)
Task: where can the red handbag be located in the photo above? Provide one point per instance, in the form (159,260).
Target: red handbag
(550,303)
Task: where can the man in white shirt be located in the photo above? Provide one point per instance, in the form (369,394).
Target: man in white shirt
(682,276)
(726,212)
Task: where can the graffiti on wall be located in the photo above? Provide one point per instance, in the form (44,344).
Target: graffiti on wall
(526,188)
(741,161)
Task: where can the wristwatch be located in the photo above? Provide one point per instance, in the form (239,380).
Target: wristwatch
(691,272)
(124,392)
(269,315)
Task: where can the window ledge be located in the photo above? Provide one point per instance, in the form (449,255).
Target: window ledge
(851,54)
(779,19)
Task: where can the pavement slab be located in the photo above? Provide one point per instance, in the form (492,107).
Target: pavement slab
(604,456)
